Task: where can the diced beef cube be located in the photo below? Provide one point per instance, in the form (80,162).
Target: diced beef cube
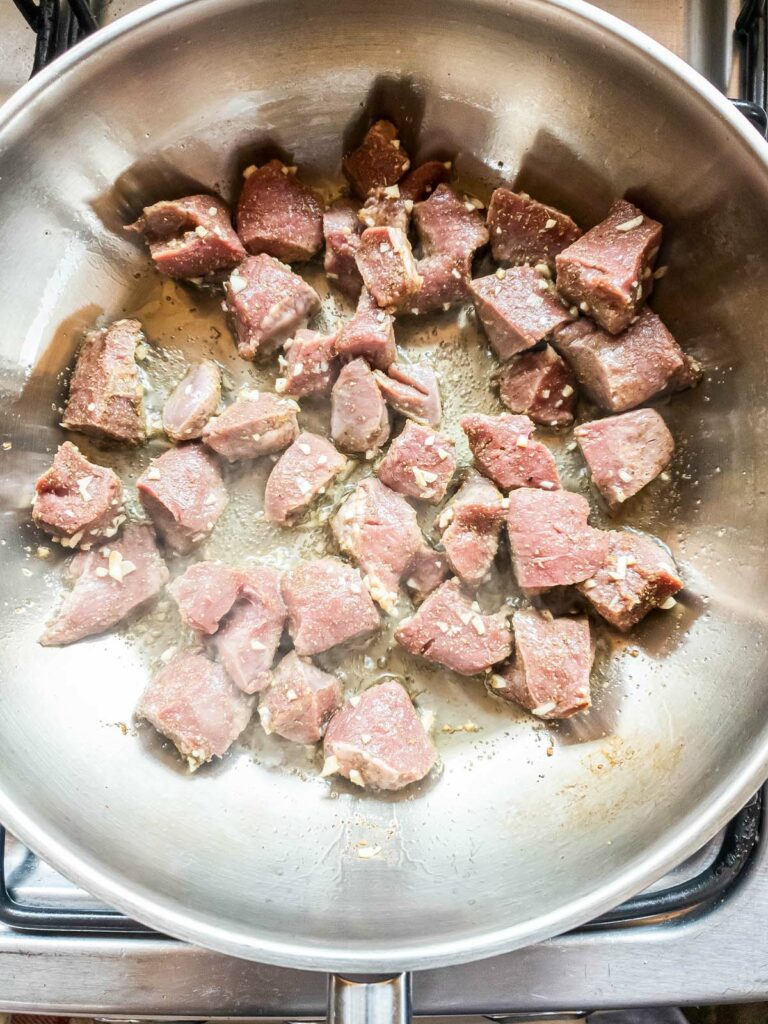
(183,493)
(379,740)
(620,371)
(689,374)
(257,423)
(268,304)
(428,569)
(419,463)
(379,531)
(359,416)
(342,230)
(552,665)
(311,365)
(386,264)
(109,584)
(278,215)
(424,179)
(299,701)
(471,523)
(446,223)
(379,161)
(192,703)
(608,271)
(636,576)
(192,402)
(370,333)
(249,636)
(328,604)
(445,281)
(518,308)
(205,593)
(191,237)
(385,207)
(504,451)
(449,629)
(301,473)
(412,390)
(106,398)
(76,501)
(541,385)
(525,231)
(552,545)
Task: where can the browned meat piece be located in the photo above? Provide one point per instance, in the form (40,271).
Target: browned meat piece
(445,281)
(379,161)
(299,701)
(540,385)
(636,576)
(385,207)
(518,308)
(450,629)
(191,237)
(424,179)
(620,371)
(257,423)
(205,593)
(249,636)
(76,501)
(471,524)
(608,271)
(183,493)
(419,463)
(379,740)
(428,569)
(278,215)
(268,304)
(328,604)
(552,544)
(192,402)
(689,375)
(341,229)
(359,416)
(106,398)
(379,531)
(526,231)
(504,451)
(386,264)
(301,473)
(446,223)
(553,661)
(370,333)
(192,703)
(109,584)
(413,391)
(310,366)
(624,453)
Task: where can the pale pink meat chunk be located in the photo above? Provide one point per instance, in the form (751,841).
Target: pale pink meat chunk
(299,701)
(448,223)
(359,415)
(541,385)
(387,267)
(525,231)
(424,179)
(370,333)
(205,593)
(385,207)
(257,423)
(192,402)
(428,569)
(505,452)
(412,390)
(379,741)
(445,281)
(420,463)
(342,230)
(471,523)
(109,584)
(278,215)
(378,161)
(301,473)
(310,365)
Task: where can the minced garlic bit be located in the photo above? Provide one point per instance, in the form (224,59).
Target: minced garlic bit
(237,283)
(280,385)
(7,445)
(498,682)
(249,171)
(116,565)
(660,272)
(82,485)
(291,695)
(471,727)
(330,766)
(101,572)
(479,625)
(625,476)
(423,477)
(305,448)
(212,211)
(354,700)
(551,223)
(366,737)
(584,307)
(303,485)
(543,709)
(356,778)
(668,604)
(543,269)
(257,645)
(153,473)
(392,191)
(522,441)
(630,225)
(567,391)
(547,485)
(298,370)
(42,552)
(368,852)
(201,232)
(501,273)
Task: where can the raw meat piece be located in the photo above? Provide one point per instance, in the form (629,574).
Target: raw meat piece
(370,333)
(636,576)
(552,545)
(328,604)
(301,473)
(518,308)
(428,569)
(449,629)
(192,402)
(183,493)
(384,207)
(541,385)
(106,398)
(192,703)
(424,179)
(412,390)
(109,583)
(341,229)
(471,523)
(77,501)
(299,701)
(278,215)
(446,223)
(419,463)
(380,160)
(607,272)
(525,231)
(191,237)
(505,452)
(624,453)
(268,304)
(359,416)
(553,660)
(311,365)
(257,423)
(379,740)
(386,264)
(445,280)
(205,593)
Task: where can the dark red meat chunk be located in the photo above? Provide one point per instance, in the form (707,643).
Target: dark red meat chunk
(370,333)
(471,524)
(205,593)
(541,385)
(359,416)
(419,463)
(428,569)
(386,264)
(301,473)
(379,161)
(525,231)
(192,402)
(424,179)
(446,223)
(310,365)
(385,207)
(504,451)
(342,229)
(445,281)
(257,423)
(278,215)
(299,701)
(412,390)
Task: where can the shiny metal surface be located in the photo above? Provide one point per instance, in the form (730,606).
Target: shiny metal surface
(510,845)
(375,1000)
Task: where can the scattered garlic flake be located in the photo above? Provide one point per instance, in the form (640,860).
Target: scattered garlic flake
(153,473)
(330,767)
(543,709)
(668,604)
(368,852)
(83,485)
(356,778)
(630,225)
(116,566)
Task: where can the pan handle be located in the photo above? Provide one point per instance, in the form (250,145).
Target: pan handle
(369,999)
